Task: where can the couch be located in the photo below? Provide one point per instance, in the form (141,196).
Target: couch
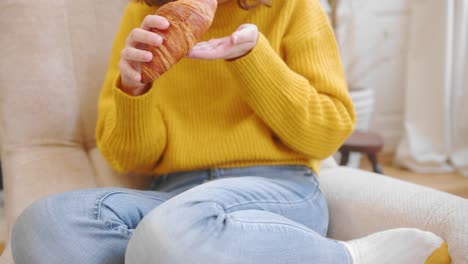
(53,59)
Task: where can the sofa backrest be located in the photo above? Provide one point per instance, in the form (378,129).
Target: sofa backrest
(54,56)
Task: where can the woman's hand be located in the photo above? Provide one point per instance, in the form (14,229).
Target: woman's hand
(134,54)
(238,44)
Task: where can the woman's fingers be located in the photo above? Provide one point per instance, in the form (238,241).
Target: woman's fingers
(128,73)
(154,21)
(210,50)
(219,49)
(139,35)
(243,49)
(245,33)
(134,54)
(236,45)
(217,42)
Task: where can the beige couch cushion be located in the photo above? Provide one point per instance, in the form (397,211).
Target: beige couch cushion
(362,202)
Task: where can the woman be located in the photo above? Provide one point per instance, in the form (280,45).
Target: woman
(233,134)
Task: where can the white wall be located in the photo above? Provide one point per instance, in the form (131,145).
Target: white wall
(374,40)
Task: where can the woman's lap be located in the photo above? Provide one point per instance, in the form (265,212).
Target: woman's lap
(239,220)
(94,226)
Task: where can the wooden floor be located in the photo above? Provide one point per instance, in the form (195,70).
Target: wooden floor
(453,183)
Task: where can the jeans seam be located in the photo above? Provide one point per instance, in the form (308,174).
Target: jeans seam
(232,218)
(308,198)
(116,226)
(109,224)
(100,198)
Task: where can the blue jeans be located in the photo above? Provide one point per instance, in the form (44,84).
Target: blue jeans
(263,214)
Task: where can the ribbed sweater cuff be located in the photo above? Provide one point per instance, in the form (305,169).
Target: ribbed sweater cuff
(138,135)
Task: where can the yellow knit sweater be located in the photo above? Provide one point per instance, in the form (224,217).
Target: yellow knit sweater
(286,102)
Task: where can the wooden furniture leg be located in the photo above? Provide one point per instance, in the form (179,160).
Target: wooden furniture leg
(375,164)
(344,158)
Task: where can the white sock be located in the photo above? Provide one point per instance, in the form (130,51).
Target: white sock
(401,245)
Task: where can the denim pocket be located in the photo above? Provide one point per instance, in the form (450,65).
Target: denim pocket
(122,209)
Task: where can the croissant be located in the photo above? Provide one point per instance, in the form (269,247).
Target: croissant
(189,20)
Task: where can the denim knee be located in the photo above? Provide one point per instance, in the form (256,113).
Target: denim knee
(90,226)
(174,234)
(62,228)
(32,227)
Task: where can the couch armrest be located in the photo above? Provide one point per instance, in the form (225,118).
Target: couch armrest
(362,202)
(328,163)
